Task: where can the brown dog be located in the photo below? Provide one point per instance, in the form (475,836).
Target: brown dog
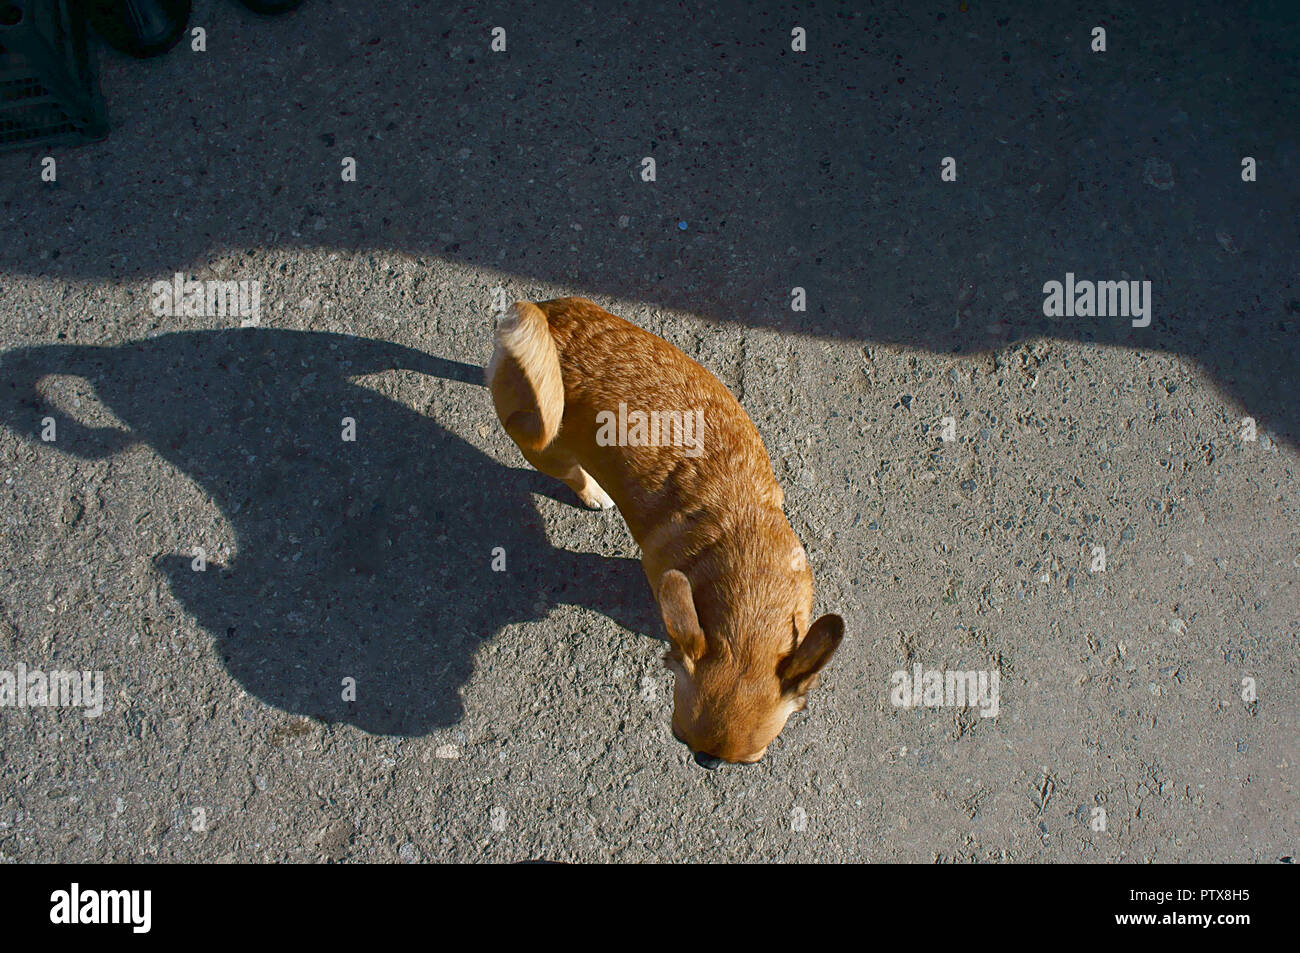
(625,418)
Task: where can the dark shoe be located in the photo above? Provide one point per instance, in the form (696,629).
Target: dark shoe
(139,27)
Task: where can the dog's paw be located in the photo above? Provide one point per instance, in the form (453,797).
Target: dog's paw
(596,499)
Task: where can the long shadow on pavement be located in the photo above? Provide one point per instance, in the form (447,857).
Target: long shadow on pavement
(368,559)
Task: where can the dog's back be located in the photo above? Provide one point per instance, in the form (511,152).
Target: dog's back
(605,362)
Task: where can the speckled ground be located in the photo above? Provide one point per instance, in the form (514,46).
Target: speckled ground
(524,714)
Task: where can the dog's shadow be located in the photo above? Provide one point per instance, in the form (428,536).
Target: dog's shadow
(370,559)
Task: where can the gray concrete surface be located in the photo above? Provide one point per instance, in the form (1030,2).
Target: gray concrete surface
(524,715)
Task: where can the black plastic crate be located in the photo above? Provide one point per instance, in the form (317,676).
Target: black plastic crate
(48,91)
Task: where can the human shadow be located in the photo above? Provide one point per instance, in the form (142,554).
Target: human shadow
(369,559)
(775,169)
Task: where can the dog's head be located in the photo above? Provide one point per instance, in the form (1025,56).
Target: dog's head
(745,661)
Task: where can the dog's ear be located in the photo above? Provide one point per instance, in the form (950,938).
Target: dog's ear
(678,607)
(798,670)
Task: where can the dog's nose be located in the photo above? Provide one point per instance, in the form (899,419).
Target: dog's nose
(707,760)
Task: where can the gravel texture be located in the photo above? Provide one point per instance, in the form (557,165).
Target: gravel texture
(523,715)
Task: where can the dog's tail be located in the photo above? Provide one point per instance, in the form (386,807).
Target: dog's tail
(524,376)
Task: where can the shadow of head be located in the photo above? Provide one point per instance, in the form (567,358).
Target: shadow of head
(368,559)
